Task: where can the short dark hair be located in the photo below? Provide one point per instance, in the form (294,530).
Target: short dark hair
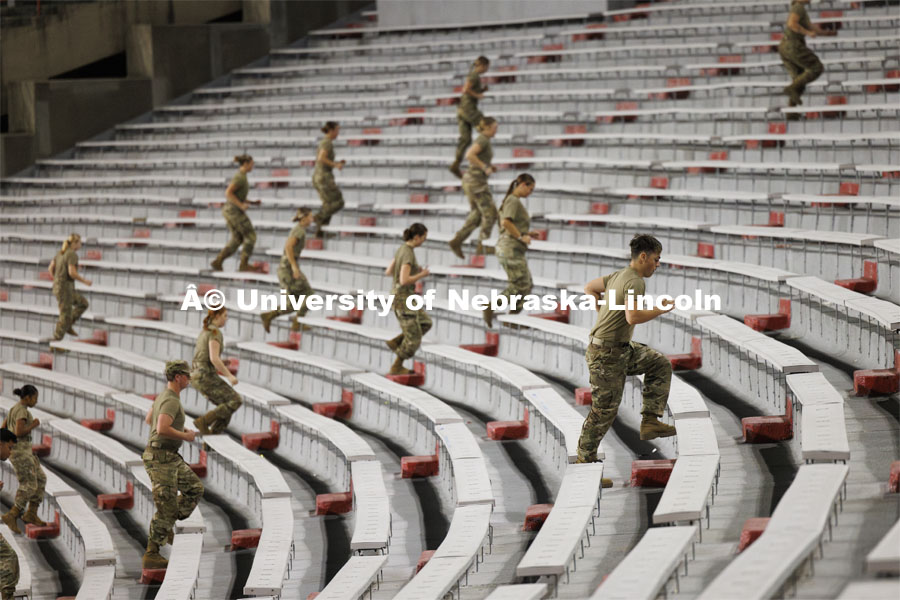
(7,436)
(642,242)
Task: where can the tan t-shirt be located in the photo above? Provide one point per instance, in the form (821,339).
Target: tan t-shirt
(61,267)
(241,186)
(513,209)
(466,101)
(167,403)
(486,154)
(17,413)
(792,37)
(328,146)
(611,324)
(404,256)
(202,363)
(299,233)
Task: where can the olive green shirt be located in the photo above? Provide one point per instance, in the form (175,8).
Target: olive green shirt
(404,256)
(61,267)
(512,208)
(611,324)
(167,403)
(299,233)
(792,37)
(466,101)
(241,186)
(486,154)
(202,363)
(17,413)
(328,146)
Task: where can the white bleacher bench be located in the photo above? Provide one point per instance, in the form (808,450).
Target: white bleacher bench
(689,490)
(372,528)
(447,26)
(666,548)
(272,561)
(685,402)
(97,544)
(782,357)
(884,559)
(791,537)
(451,561)
(266,477)
(522,591)
(349,443)
(565,422)
(877,589)
(64,394)
(97,582)
(358,575)
(413,45)
(143,500)
(462,466)
(184,564)
(819,413)
(557,542)
(23,585)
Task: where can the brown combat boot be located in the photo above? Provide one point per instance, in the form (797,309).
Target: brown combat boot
(398,369)
(652,428)
(31,515)
(245,266)
(152,558)
(395,342)
(170,539)
(201,424)
(11,518)
(267,319)
(456,245)
(71,331)
(488,315)
(216,265)
(454,168)
(605,482)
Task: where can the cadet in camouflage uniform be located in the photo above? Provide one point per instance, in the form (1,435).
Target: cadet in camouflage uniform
(406,272)
(9,562)
(235,213)
(802,65)
(467,113)
(477,190)
(611,355)
(64,269)
(168,472)
(206,368)
(28,469)
(289,275)
(515,237)
(323,177)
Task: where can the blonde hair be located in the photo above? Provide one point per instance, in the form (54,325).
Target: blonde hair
(70,241)
(243,158)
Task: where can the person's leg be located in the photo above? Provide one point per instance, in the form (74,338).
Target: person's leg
(79,306)
(607,375)
(519,275)
(191,489)
(37,495)
(161,467)
(472,219)
(332,200)
(657,372)
(231,247)
(465,140)
(811,65)
(64,298)
(488,211)
(9,570)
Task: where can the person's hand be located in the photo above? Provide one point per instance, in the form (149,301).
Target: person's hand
(490,170)
(88,282)
(340,165)
(831,33)
(668,304)
(190,435)
(525,239)
(1,484)
(424,273)
(295,273)
(232,379)
(36,423)
(812,34)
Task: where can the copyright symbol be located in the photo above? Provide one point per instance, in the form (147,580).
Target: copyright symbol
(214,299)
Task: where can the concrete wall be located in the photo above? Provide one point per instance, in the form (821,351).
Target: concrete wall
(415,12)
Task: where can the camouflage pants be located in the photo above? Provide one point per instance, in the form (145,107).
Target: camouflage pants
(414,324)
(71,306)
(330,193)
(608,367)
(516,268)
(467,119)
(29,473)
(481,207)
(294,287)
(802,65)
(169,475)
(219,392)
(242,232)
(9,570)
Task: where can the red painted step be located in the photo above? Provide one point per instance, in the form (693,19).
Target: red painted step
(418,466)
(245,538)
(753,528)
(334,504)
(535,515)
(651,473)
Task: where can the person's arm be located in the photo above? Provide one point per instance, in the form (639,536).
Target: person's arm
(467,89)
(165,429)
(322,157)
(793,23)
(289,252)
(390,269)
(73,273)
(472,157)
(22,429)
(824,32)
(216,360)
(595,288)
(512,230)
(52,268)
(233,199)
(638,316)
(149,418)
(407,279)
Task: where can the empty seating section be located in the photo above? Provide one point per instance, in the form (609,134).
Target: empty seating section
(665,118)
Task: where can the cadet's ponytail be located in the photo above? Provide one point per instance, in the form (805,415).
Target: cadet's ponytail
(70,241)
(522,178)
(26,391)
(243,158)
(482,61)
(486,122)
(210,315)
(414,230)
(329,127)
(301,213)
